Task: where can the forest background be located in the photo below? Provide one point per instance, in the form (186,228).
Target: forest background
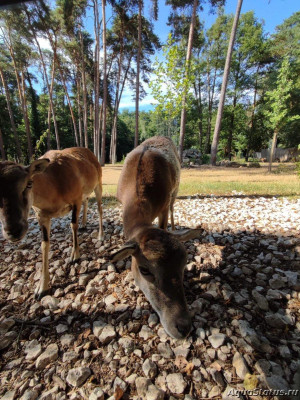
(66,65)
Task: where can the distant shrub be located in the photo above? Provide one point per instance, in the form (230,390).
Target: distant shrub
(285,169)
(205,158)
(254,164)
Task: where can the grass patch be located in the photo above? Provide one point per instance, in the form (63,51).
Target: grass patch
(222,181)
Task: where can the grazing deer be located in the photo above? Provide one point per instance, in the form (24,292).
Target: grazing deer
(147,189)
(55,184)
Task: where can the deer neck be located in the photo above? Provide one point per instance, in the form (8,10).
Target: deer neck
(136,217)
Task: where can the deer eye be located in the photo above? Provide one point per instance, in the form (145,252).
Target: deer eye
(144,271)
(29,185)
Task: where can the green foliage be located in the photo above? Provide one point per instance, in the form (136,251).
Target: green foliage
(278,99)
(172,84)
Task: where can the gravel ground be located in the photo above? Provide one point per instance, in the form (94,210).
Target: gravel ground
(96,336)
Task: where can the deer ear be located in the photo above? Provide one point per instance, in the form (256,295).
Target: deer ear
(125,251)
(187,234)
(38,166)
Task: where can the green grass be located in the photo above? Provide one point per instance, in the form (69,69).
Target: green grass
(248,188)
(283,181)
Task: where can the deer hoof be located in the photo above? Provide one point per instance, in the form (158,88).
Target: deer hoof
(39,295)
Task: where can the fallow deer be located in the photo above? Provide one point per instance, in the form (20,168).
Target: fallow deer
(53,185)
(147,188)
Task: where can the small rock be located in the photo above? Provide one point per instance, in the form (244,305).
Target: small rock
(96,394)
(48,356)
(240,365)
(30,394)
(165,350)
(32,350)
(261,301)
(142,385)
(146,333)
(216,340)
(176,383)
(77,376)
(149,368)
(108,334)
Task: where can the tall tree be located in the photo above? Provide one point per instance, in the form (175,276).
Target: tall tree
(215,142)
(278,99)
(11,116)
(104,101)
(138,62)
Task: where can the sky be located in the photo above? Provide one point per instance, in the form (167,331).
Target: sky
(272,12)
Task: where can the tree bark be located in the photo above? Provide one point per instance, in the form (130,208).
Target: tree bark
(96,82)
(230,137)
(214,147)
(251,130)
(11,117)
(2,151)
(187,71)
(84,94)
(104,101)
(138,62)
(26,119)
(200,110)
(273,149)
(79,112)
(112,153)
(53,108)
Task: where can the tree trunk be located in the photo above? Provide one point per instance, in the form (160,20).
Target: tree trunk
(11,117)
(214,147)
(112,153)
(200,111)
(119,92)
(2,151)
(251,130)
(137,88)
(52,106)
(84,95)
(273,149)
(50,88)
(26,119)
(96,81)
(188,61)
(63,80)
(79,112)
(104,101)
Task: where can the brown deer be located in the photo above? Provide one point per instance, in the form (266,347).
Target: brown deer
(147,189)
(53,185)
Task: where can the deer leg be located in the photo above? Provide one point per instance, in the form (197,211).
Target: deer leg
(74,225)
(172,210)
(43,286)
(84,214)
(163,219)
(98,193)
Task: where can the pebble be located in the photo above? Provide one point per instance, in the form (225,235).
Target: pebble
(149,368)
(77,376)
(176,383)
(240,365)
(216,340)
(32,350)
(48,356)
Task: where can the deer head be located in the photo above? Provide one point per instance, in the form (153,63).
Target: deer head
(16,196)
